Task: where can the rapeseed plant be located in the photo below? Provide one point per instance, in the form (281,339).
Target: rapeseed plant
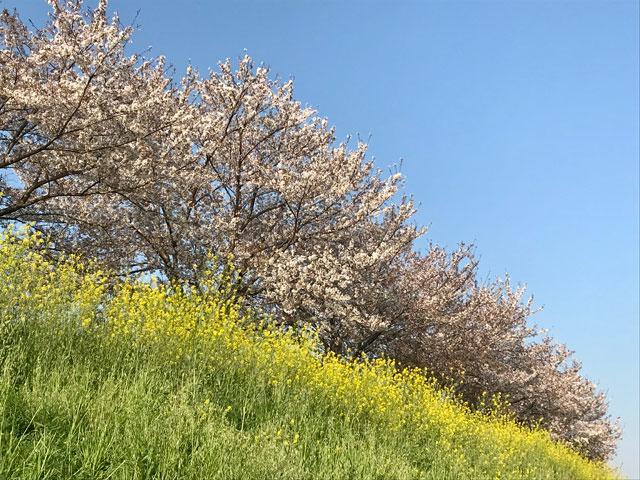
(273,392)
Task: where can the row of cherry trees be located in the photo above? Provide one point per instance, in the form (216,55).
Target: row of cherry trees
(113,157)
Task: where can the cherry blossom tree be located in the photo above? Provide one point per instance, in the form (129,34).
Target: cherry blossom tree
(77,116)
(113,158)
(480,336)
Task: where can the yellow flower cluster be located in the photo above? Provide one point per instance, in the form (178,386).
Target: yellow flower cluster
(35,288)
(209,324)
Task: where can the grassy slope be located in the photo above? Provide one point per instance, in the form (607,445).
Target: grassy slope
(150,383)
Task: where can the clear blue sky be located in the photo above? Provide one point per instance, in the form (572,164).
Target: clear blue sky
(517,122)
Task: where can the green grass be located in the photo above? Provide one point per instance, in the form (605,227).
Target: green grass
(151,383)
(77,410)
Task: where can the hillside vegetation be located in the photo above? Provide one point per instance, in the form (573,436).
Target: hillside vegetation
(126,380)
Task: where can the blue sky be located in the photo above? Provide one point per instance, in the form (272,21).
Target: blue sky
(517,122)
